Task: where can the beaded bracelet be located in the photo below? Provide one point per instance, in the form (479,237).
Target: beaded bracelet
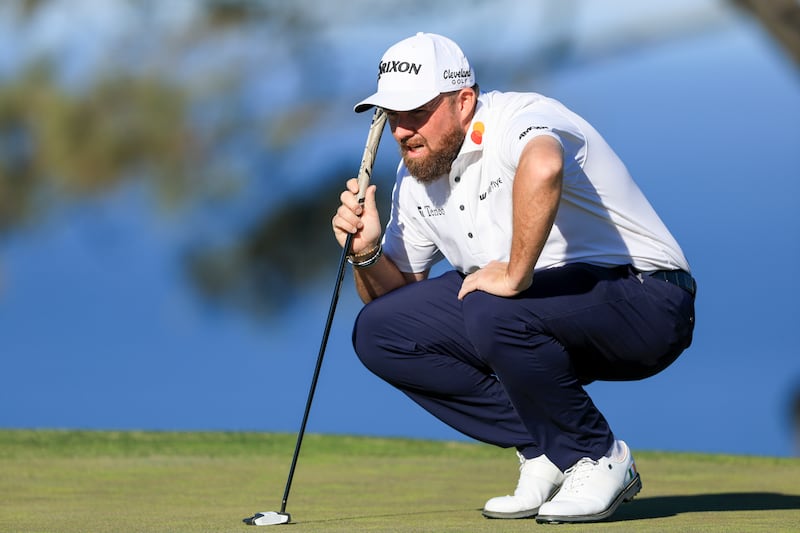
(368,253)
(372,257)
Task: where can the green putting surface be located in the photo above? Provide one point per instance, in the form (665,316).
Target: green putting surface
(80,481)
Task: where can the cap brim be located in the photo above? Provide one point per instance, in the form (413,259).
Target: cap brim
(397,101)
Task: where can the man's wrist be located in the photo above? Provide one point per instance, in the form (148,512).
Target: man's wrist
(366,259)
(364,254)
(519,283)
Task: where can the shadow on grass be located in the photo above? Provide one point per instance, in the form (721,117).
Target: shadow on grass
(646,508)
(664,506)
(659,506)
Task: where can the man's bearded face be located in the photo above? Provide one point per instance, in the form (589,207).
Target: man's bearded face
(438,160)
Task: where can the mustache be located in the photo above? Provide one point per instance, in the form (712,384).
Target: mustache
(411,142)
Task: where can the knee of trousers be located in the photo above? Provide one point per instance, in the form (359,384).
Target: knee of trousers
(494,328)
(373,340)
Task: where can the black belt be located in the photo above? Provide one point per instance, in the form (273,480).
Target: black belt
(681,278)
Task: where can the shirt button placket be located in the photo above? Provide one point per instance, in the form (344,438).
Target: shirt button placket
(462,207)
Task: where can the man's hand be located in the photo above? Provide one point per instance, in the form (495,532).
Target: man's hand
(494,279)
(362,220)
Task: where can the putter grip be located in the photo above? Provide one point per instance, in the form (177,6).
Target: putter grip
(370,150)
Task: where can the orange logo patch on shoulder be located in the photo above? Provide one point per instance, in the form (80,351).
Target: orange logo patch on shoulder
(477,132)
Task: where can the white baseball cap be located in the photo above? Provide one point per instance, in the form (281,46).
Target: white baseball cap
(416,70)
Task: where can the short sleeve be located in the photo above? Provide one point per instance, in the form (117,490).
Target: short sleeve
(403,241)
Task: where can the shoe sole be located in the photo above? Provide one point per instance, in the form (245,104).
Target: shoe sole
(626,495)
(527,513)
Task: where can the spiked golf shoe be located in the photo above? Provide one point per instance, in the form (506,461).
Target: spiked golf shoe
(538,480)
(592,490)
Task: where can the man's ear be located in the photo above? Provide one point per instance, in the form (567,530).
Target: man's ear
(466,100)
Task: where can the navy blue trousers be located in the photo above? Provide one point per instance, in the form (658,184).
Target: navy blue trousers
(511,371)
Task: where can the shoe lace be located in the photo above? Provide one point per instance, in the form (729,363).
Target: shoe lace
(576,476)
(521,461)
(521,466)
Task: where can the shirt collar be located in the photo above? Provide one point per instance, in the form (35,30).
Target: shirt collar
(473,142)
(472,148)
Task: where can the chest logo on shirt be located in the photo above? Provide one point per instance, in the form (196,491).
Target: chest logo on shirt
(493,186)
(426,211)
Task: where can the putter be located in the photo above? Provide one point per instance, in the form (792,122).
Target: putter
(270,518)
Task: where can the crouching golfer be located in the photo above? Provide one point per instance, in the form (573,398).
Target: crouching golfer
(563,274)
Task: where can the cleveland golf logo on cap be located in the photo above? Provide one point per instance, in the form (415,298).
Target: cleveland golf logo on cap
(458,77)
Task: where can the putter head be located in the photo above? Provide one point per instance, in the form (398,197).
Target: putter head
(269,518)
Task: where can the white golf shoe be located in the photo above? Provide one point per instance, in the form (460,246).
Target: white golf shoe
(592,490)
(538,480)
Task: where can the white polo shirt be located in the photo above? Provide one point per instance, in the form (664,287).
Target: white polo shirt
(466,217)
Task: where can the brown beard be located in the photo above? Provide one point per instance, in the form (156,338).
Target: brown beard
(438,162)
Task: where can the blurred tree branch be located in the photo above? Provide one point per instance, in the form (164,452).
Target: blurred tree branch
(64,145)
(781,18)
(158,115)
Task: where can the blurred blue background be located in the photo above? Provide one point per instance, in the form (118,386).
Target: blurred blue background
(168,171)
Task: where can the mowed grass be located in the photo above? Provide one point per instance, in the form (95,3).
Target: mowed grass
(80,481)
